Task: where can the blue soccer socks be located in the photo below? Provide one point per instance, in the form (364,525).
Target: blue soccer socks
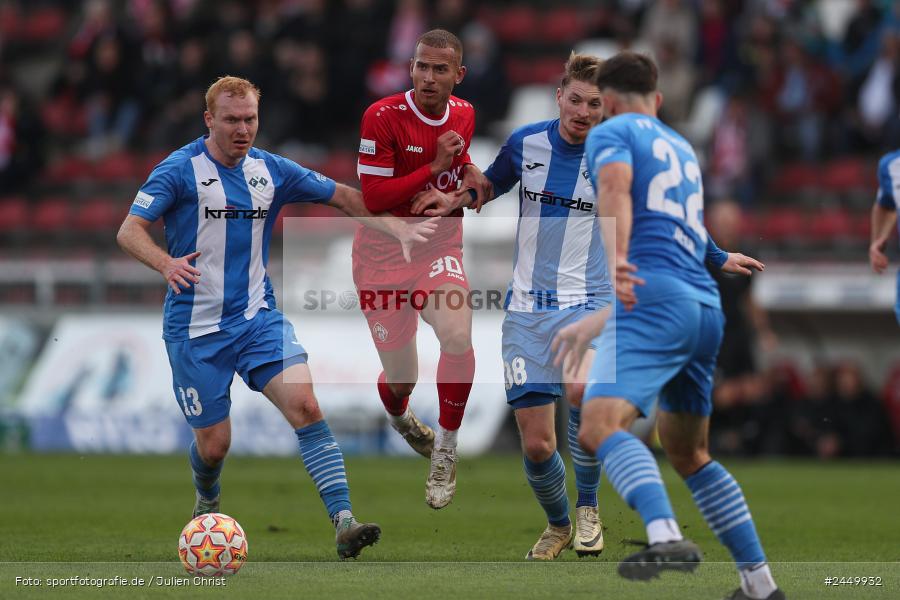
(722,504)
(206,478)
(634,474)
(324,462)
(587,467)
(548,480)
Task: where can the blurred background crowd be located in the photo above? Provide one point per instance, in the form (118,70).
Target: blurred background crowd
(756,83)
(789,102)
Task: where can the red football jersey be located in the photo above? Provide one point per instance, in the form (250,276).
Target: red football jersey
(397,140)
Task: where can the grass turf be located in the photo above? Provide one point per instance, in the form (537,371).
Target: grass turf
(101,516)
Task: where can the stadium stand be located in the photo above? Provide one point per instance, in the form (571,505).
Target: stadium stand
(96,93)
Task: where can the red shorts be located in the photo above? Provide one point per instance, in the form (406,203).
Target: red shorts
(391,299)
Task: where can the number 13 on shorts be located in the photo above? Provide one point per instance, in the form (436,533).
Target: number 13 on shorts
(190,402)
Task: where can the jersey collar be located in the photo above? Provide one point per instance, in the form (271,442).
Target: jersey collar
(423,118)
(560,142)
(209,155)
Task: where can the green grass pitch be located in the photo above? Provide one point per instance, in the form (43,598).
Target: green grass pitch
(101,516)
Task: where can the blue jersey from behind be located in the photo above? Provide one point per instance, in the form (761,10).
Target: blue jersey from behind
(227,214)
(559,257)
(668,239)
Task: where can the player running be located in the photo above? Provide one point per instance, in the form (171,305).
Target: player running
(219,197)
(665,335)
(884,216)
(415,142)
(559,276)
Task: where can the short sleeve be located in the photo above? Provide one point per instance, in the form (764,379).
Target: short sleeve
(160,192)
(503,173)
(376,144)
(299,184)
(885,197)
(607,143)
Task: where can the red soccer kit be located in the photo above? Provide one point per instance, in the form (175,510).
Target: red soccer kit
(398,143)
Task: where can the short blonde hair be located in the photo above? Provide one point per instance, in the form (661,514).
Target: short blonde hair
(230,85)
(581,67)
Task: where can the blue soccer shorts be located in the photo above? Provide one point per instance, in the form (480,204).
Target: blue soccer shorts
(531,378)
(204,367)
(665,349)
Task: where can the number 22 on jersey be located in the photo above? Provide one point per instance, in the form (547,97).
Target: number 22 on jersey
(691,212)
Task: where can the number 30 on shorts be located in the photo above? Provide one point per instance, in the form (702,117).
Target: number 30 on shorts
(190,402)
(445,263)
(514,372)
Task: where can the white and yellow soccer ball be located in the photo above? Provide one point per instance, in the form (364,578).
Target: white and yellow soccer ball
(212,545)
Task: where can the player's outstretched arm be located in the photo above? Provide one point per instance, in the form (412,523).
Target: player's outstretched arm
(730,262)
(134,238)
(408,233)
(740,264)
(883,222)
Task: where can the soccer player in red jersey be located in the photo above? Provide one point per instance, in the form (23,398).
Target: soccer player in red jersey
(413,155)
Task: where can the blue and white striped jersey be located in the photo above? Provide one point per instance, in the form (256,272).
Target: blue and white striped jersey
(227,215)
(889,181)
(669,243)
(559,258)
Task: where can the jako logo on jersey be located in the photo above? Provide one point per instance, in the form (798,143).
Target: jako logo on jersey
(143,200)
(367,146)
(417,149)
(230,212)
(549,198)
(259,183)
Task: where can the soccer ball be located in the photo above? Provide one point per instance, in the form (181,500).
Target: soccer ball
(212,545)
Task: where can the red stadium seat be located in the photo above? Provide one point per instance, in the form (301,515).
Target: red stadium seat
(862,225)
(147,163)
(526,71)
(797,177)
(10,20)
(341,166)
(13,215)
(516,24)
(43,25)
(783,225)
(115,167)
(64,116)
(849,175)
(52,216)
(69,169)
(100,215)
(563,25)
(750,226)
(831,224)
